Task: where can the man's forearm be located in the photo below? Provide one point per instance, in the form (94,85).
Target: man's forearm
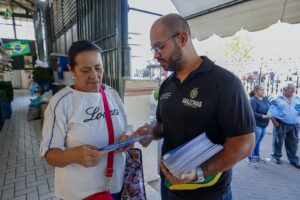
(235,149)
(157,130)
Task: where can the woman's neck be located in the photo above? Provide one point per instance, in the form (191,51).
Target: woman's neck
(260,98)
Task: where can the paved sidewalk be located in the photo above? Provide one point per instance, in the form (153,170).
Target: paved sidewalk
(25,176)
(270,181)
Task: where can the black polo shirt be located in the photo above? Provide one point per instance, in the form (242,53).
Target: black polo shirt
(212,100)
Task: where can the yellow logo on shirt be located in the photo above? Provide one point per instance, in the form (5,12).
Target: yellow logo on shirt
(194,93)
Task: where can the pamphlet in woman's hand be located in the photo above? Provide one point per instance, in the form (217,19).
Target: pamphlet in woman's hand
(113,147)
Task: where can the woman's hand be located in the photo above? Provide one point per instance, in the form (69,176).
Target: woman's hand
(85,155)
(266,116)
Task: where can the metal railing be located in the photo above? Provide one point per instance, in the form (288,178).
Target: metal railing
(272,85)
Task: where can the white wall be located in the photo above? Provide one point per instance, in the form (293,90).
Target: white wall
(137,108)
(138,111)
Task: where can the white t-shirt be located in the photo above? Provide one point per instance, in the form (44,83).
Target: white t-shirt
(74,118)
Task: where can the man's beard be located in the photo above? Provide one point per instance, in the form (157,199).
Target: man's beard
(175,61)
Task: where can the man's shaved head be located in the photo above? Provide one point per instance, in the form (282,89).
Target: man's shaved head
(172,24)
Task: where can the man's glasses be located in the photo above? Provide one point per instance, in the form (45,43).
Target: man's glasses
(158,48)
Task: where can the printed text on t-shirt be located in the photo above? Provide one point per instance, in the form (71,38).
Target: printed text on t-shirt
(94,113)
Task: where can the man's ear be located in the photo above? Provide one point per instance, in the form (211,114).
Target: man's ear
(184,38)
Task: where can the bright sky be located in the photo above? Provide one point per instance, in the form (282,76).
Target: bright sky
(140,23)
(274,49)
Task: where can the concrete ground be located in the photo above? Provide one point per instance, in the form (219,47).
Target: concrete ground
(25,176)
(270,181)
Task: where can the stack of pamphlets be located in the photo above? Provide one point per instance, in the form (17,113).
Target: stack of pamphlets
(187,157)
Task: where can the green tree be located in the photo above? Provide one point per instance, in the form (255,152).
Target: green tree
(239,48)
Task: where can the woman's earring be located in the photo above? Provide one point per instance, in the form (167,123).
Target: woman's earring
(73,77)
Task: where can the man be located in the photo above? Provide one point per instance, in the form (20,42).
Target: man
(198,97)
(286,125)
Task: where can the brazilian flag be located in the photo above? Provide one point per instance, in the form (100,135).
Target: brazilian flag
(19,47)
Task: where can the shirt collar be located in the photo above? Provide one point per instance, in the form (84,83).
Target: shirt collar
(205,66)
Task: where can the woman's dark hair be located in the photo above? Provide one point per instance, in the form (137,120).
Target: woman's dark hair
(80,46)
(251,93)
(256,87)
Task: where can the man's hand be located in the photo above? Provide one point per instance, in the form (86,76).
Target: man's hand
(275,122)
(144,130)
(123,138)
(185,178)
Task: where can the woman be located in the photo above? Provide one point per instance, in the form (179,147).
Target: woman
(75,126)
(260,106)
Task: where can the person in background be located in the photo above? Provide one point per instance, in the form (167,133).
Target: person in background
(75,126)
(260,106)
(286,125)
